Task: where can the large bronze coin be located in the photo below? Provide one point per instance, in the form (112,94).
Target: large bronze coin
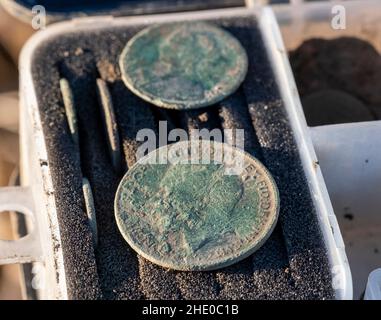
(188,216)
(183,65)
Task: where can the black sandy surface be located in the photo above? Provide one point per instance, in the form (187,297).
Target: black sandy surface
(291,265)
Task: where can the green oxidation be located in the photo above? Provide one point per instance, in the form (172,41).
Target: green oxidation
(201,211)
(192,216)
(183,65)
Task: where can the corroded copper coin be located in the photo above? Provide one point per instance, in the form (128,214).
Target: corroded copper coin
(189,214)
(183,65)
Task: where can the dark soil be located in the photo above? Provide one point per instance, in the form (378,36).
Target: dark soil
(338,80)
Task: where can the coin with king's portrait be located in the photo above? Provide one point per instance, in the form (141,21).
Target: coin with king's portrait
(196,215)
(183,65)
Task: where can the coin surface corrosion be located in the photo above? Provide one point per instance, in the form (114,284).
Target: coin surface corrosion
(188,216)
(183,65)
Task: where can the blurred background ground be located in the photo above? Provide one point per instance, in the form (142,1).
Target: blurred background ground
(12,36)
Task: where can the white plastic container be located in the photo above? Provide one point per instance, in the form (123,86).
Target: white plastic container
(354,185)
(36,177)
(373,289)
(350,158)
(353,189)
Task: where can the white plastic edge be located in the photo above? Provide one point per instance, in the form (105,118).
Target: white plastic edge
(278,56)
(342,278)
(27,249)
(373,288)
(46,214)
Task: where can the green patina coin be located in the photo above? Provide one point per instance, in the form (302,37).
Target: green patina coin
(183,65)
(196,215)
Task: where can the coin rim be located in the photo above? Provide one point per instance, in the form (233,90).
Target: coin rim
(173,104)
(225,261)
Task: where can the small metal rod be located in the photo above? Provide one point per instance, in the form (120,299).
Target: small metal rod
(71,116)
(90,209)
(70,110)
(108,115)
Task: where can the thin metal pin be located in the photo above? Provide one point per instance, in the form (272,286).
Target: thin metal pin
(71,114)
(111,127)
(90,209)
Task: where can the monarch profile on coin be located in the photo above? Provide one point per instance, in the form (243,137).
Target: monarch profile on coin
(183,65)
(194,216)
